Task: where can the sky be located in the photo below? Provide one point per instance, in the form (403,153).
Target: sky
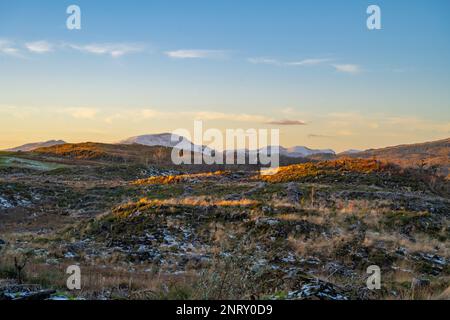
(311,69)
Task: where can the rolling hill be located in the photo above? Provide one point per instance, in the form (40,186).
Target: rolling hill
(422,155)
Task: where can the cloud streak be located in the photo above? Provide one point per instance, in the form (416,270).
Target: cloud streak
(142,114)
(8,48)
(318,136)
(300,63)
(197,54)
(287,122)
(344,68)
(81,113)
(115,50)
(348,68)
(39,47)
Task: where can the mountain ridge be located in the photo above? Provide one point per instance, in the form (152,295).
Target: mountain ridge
(35,145)
(426,155)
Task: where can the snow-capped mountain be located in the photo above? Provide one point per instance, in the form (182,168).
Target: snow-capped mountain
(299,151)
(36,145)
(164,140)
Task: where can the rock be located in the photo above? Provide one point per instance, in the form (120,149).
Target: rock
(293,193)
(2,243)
(432,264)
(318,290)
(401,251)
(267,221)
(70,255)
(5,204)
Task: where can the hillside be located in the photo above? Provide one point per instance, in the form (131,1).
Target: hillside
(420,155)
(308,232)
(137,154)
(432,155)
(108,152)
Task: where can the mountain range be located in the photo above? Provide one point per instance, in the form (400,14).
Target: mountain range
(170,141)
(435,153)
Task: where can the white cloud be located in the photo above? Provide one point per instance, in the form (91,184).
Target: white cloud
(81,113)
(261,60)
(238,117)
(384,123)
(7,48)
(39,46)
(197,54)
(17,112)
(308,62)
(415,123)
(140,114)
(347,68)
(114,50)
(300,63)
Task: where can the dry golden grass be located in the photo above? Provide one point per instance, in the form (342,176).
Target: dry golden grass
(145,204)
(445,295)
(178,178)
(311,169)
(421,243)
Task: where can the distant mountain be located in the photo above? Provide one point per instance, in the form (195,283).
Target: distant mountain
(349,152)
(424,155)
(164,140)
(300,151)
(35,145)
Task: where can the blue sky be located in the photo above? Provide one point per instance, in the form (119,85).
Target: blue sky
(151,66)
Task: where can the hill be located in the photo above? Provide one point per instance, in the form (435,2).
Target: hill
(35,145)
(434,154)
(108,152)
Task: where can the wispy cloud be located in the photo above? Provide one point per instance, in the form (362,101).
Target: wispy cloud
(345,133)
(345,68)
(348,68)
(7,47)
(81,113)
(197,54)
(141,114)
(39,46)
(261,60)
(18,112)
(114,50)
(308,62)
(318,136)
(415,123)
(287,122)
(236,117)
(300,63)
